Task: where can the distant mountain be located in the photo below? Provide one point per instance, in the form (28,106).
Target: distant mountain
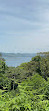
(18,54)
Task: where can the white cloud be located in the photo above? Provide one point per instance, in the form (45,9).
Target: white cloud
(26,23)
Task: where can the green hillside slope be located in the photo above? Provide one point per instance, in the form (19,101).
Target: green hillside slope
(25,88)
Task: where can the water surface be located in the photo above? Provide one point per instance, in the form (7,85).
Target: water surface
(15,60)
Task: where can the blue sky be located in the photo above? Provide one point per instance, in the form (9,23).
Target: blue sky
(24,26)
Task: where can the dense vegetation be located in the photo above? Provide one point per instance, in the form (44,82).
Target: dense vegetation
(26,87)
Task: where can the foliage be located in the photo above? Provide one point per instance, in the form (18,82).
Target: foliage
(25,88)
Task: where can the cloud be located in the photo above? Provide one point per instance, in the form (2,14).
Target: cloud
(26,23)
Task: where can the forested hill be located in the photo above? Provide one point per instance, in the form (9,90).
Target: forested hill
(25,88)
(43,53)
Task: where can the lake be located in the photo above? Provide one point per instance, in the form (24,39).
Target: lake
(15,60)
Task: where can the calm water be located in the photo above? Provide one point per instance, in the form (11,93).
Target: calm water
(16,60)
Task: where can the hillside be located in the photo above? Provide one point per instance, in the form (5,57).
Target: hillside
(25,88)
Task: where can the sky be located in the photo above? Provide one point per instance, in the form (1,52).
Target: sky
(24,26)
